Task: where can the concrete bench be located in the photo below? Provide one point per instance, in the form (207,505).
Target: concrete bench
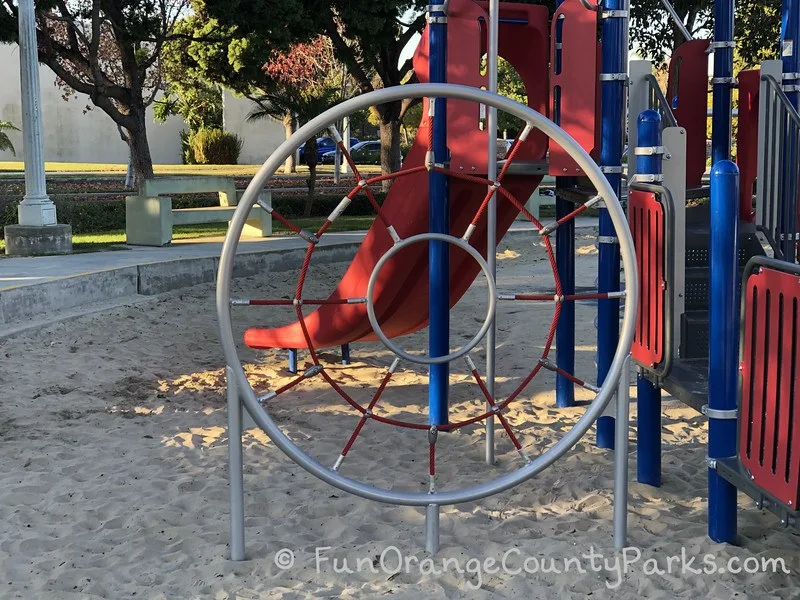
(539,199)
(149,217)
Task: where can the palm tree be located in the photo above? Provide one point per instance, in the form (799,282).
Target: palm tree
(283,104)
(5,142)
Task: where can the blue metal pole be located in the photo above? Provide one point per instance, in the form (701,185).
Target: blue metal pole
(565,263)
(439,222)
(723,329)
(565,334)
(723,72)
(345,354)
(292,360)
(648,399)
(613,88)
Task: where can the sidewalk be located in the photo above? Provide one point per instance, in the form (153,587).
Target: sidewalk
(39,289)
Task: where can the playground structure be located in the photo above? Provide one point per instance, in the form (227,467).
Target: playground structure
(695,261)
(685,268)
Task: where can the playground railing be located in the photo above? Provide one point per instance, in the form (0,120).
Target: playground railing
(779,170)
(657,101)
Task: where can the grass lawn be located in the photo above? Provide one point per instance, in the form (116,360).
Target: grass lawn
(114,240)
(99,169)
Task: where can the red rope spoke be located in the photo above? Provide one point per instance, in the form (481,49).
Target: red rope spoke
(577,381)
(304,328)
(497,411)
(304,301)
(395,175)
(557,298)
(286,222)
(464,176)
(359,178)
(345,396)
(521,138)
(304,272)
(581,209)
(521,207)
(366,415)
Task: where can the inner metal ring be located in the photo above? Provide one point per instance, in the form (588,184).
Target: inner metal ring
(490,310)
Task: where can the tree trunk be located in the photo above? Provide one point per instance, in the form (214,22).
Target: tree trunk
(390,139)
(290,166)
(139,147)
(311,161)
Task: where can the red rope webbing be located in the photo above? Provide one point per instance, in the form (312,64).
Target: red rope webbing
(285,221)
(521,387)
(357,176)
(302,320)
(305,301)
(323,229)
(500,416)
(289,385)
(552,297)
(354,435)
(342,393)
(521,208)
(598,296)
(395,175)
(432,458)
(464,176)
(364,418)
(304,272)
(570,376)
(270,302)
(511,156)
(573,214)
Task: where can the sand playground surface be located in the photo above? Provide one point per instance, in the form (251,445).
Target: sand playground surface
(113,468)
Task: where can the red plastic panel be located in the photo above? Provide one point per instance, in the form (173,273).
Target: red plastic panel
(646,220)
(574,82)
(747,141)
(525,46)
(769,426)
(687,93)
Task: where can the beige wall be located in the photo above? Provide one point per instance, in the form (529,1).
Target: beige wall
(73,134)
(261,138)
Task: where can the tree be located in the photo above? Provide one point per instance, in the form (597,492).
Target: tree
(655,35)
(5,141)
(108,50)
(284,102)
(302,83)
(368,37)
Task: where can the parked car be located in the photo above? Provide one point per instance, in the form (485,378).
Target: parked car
(324,145)
(367,153)
(364,153)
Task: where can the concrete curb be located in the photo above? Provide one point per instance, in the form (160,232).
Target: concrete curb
(45,300)
(26,306)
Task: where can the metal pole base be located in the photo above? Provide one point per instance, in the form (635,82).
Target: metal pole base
(235,469)
(432,529)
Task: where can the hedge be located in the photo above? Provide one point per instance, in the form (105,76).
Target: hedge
(95,216)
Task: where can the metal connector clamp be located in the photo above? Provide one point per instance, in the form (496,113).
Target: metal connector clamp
(715,413)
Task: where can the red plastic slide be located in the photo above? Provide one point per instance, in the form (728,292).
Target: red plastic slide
(401,293)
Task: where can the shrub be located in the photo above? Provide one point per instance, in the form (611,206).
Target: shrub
(187,152)
(216,147)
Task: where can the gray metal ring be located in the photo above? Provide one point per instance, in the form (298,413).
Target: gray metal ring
(276,160)
(490,311)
